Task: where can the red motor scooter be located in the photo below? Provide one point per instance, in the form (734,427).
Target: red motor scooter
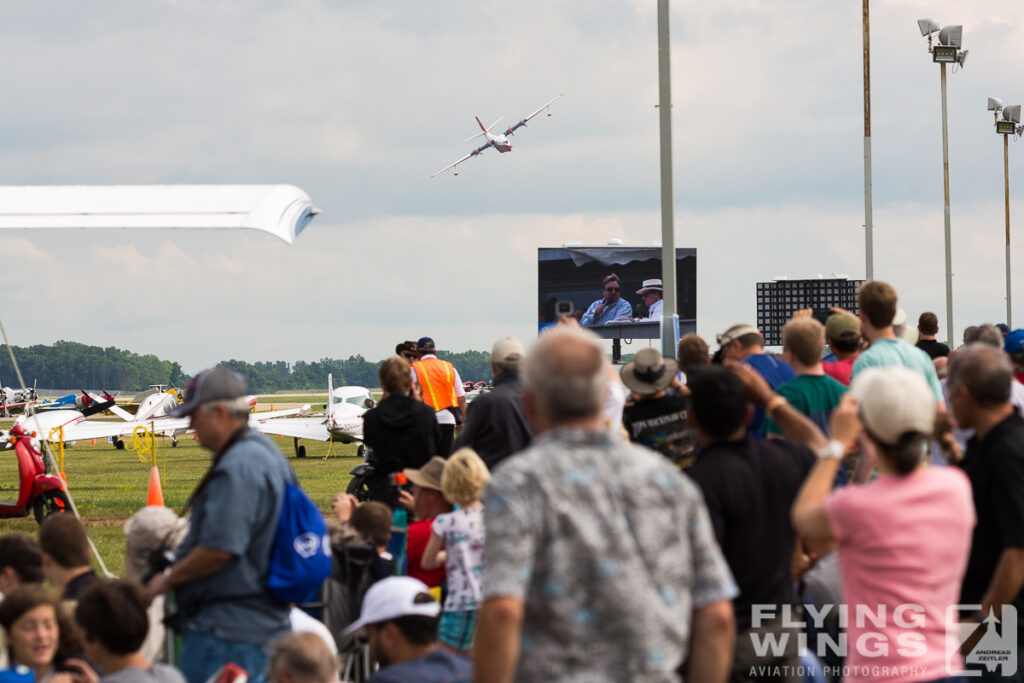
(44,493)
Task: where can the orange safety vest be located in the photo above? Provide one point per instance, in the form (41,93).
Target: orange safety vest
(436,378)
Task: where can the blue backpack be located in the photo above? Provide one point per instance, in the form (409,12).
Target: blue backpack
(300,560)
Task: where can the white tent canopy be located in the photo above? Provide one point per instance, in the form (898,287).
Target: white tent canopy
(281,210)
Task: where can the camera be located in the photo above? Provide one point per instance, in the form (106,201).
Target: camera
(398,479)
(158,560)
(820,314)
(564,308)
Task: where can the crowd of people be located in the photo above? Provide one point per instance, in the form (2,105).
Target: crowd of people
(850,509)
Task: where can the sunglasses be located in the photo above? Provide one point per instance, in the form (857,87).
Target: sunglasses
(611,289)
(409,356)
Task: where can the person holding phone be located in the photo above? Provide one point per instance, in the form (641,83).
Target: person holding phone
(610,307)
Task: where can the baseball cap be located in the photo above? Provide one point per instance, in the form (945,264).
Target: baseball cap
(425,345)
(649,372)
(215,384)
(1014,342)
(428,476)
(737,330)
(392,598)
(507,350)
(842,327)
(894,400)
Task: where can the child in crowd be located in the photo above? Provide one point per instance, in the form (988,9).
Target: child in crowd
(457,541)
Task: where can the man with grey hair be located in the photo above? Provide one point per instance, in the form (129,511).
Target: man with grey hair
(980,377)
(225,612)
(985,334)
(496,424)
(601,560)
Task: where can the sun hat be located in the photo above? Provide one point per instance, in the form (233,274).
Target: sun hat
(650,286)
(649,372)
(428,476)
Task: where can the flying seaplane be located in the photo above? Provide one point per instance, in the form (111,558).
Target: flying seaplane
(498,141)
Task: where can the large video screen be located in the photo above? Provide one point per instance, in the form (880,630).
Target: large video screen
(583,276)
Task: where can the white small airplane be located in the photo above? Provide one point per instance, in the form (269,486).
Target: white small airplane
(498,141)
(70,425)
(342,422)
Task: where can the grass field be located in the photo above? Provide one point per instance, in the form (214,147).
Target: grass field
(109,485)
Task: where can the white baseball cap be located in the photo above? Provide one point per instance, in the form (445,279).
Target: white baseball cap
(894,400)
(392,598)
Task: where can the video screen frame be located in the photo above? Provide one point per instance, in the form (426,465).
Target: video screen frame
(575,274)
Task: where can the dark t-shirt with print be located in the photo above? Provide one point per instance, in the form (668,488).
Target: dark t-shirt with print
(660,424)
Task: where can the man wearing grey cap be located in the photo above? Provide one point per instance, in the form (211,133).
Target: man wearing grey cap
(226,614)
(496,426)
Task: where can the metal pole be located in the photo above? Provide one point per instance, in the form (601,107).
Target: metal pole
(945,190)
(668,250)
(1006,178)
(869,247)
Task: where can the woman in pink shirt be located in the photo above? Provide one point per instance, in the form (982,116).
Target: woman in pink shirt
(903,539)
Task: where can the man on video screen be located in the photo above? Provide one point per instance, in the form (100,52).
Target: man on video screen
(651,293)
(610,307)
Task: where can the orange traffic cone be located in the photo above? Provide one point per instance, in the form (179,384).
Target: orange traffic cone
(155,496)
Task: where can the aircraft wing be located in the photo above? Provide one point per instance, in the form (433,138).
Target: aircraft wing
(314,428)
(468,156)
(166,426)
(522,122)
(94,429)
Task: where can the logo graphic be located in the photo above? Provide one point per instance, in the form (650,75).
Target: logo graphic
(306,545)
(991,644)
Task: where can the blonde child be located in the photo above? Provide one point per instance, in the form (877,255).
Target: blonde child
(457,541)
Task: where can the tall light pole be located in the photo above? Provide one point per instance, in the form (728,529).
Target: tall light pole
(1006,127)
(946,52)
(869,248)
(668,248)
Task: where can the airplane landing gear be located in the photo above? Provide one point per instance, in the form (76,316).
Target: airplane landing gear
(300,451)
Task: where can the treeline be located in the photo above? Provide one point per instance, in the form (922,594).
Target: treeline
(269,377)
(70,365)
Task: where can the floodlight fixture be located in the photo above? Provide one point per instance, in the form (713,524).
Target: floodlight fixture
(995,104)
(952,35)
(1006,127)
(1011,112)
(944,54)
(928,26)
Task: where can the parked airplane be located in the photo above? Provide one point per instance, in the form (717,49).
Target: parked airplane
(498,141)
(341,423)
(16,398)
(71,425)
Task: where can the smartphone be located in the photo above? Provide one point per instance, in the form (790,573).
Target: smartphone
(821,315)
(398,479)
(564,308)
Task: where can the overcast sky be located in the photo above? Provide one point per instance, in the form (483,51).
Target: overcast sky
(358,103)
